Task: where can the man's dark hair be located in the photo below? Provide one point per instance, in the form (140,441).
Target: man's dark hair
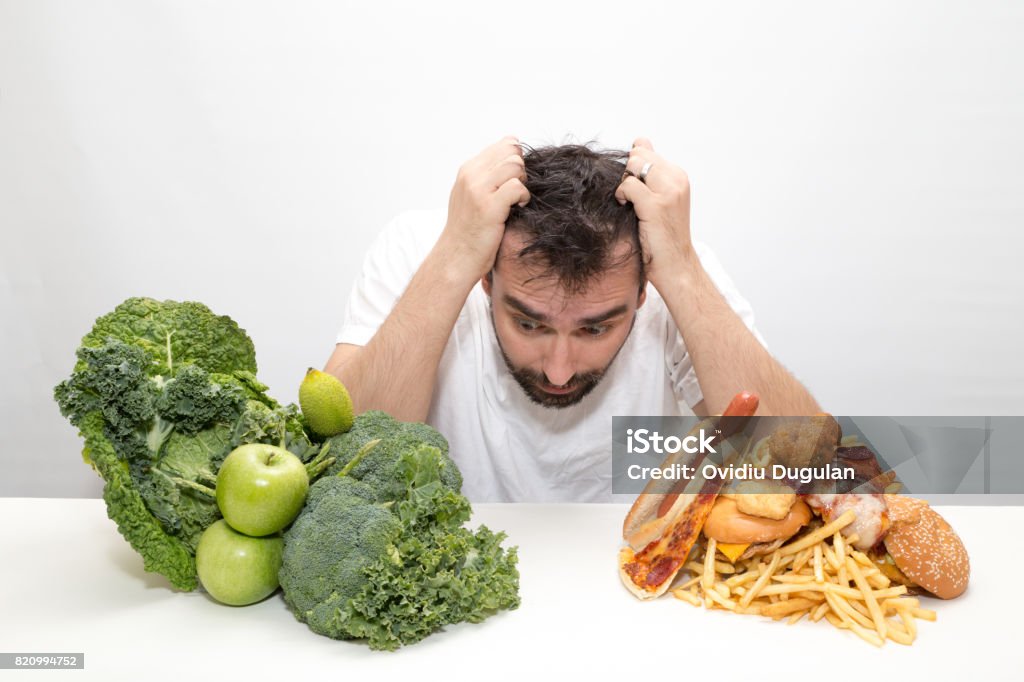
(573,223)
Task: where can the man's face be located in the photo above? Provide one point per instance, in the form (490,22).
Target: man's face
(558,346)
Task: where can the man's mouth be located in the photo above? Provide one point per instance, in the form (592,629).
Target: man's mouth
(557,390)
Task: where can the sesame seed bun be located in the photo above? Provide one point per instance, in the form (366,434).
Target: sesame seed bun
(926,548)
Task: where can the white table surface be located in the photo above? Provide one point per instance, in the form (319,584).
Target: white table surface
(70,583)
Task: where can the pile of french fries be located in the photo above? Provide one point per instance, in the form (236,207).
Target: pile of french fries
(811,576)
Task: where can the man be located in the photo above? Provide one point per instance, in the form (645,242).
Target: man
(563,289)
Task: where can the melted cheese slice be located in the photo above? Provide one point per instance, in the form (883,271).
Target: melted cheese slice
(732,551)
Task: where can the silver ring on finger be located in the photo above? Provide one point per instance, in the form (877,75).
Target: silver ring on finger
(642,175)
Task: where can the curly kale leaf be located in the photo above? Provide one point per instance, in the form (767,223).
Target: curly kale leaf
(194,398)
(393,572)
(112,379)
(427,502)
(273,424)
(438,578)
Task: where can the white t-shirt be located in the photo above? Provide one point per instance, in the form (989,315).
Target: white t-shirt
(508,448)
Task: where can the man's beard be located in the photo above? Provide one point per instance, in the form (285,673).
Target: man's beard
(530,381)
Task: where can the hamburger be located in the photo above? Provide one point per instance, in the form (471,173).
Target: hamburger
(745,525)
(924,549)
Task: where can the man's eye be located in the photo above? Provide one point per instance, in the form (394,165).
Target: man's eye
(596,329)
(527,325)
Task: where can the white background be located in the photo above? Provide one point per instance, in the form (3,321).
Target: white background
(858,167)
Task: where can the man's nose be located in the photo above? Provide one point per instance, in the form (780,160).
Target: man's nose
(558,363)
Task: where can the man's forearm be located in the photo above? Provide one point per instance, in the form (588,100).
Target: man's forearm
(396,371)
(725,354)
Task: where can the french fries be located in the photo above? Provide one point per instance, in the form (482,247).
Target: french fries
(708,580)
(820,576)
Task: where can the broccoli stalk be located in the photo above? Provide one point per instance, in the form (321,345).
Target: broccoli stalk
(363,452)
(320,463)
(192,485)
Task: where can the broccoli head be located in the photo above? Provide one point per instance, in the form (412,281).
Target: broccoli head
(329,546)
(379,467)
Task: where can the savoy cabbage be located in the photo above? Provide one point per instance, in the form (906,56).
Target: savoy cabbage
(162,391)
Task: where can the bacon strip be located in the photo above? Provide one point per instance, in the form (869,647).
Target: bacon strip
(868,474)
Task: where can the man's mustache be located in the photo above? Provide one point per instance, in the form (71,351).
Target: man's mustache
(575,381)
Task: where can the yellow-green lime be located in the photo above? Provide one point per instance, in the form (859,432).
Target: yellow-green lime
(325,403)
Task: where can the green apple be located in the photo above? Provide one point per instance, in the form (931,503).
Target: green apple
(261,488)
(236,569)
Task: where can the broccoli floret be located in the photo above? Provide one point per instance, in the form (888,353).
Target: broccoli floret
(338,535)
(378,468)
(332,486)
(392,572)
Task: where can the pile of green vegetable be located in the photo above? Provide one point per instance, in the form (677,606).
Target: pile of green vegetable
(380,552)
(163,391)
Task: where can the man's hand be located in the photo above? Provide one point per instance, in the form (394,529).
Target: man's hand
(662,203)
(485,190)
(726,356)
(397,369)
